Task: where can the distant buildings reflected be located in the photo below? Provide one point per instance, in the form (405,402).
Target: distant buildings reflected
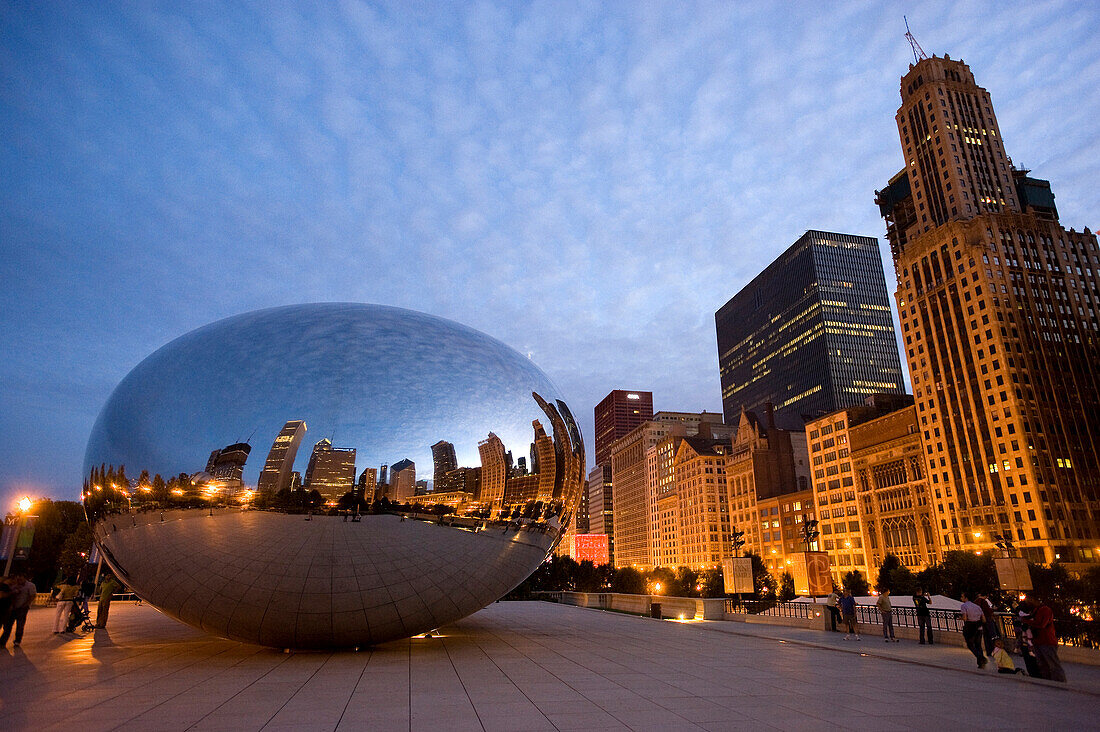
(275,476)
(496,490)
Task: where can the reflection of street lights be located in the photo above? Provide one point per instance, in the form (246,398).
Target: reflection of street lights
(23,506)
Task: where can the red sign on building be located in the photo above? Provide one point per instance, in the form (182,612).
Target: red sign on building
(592,548)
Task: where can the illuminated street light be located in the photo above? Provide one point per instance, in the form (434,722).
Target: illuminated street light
(22,506)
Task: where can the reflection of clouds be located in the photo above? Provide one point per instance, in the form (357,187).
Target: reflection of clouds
(386,381)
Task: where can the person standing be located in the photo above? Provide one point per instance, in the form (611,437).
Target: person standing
(886,612)
(830,605)
(848,611)
(1044,643)
(103,609)
(972,617)
(1024,638)
(22,596)
(66,592)
(989,625)
(921,601)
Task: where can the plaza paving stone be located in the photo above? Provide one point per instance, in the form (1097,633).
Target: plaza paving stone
(518,666)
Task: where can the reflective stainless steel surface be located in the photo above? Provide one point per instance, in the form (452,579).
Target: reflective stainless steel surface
(330,475)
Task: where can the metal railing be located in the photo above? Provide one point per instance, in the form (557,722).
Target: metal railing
(1071,631)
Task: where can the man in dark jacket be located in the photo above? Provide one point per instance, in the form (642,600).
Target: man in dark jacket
(23,592)
(921,601)
(989,626)
(1044,643)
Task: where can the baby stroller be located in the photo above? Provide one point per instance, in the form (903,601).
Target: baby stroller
(79,617)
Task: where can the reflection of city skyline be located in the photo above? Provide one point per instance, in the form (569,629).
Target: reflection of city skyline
(498,480)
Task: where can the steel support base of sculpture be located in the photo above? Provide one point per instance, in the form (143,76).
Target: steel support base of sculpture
(336,540)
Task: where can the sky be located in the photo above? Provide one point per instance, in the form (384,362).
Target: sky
(587,182)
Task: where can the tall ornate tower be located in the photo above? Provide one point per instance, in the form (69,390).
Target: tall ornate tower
(998,306)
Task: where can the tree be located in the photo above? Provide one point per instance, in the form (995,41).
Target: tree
(855,583)
(711,580)
(687,579)
(1057,587)
(762,581)
(74,552)
(1090,585)
(588,577)
(969,573)
(628,580)
(56,521)
(895,576)
(786,587)
(663,581)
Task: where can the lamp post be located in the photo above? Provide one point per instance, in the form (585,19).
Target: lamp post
(23,506)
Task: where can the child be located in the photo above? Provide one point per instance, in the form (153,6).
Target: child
(1004,662)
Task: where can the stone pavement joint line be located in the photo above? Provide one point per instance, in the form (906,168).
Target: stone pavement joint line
(512,666)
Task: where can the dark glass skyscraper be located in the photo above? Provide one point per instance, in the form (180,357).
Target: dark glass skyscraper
(812,333)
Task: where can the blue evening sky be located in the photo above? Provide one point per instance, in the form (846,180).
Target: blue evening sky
(587,182)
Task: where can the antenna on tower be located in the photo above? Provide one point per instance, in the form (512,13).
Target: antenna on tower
(918,52)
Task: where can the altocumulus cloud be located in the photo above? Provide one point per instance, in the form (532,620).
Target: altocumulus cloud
(587,182)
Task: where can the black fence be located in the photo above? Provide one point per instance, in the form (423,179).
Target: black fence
(1071,631)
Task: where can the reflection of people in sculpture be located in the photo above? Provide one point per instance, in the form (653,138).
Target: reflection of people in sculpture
(107,590)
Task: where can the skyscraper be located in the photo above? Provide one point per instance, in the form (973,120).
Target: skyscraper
(601,516)
(998,305)
(444,462)
(331,470)
(402,480)
(619,413)
(810,334)
(367,485)
(494,469)
(280,460)
(226,466)
(548,469)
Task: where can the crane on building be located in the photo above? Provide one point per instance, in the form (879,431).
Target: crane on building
(918,52)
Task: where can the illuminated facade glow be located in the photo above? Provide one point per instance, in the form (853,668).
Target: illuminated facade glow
(998,306)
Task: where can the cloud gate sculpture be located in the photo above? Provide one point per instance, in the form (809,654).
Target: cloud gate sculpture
(330,475)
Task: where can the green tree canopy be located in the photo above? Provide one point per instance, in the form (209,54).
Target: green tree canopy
(895,577)
(856,583)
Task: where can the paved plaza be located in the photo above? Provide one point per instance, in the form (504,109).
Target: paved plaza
(518,666)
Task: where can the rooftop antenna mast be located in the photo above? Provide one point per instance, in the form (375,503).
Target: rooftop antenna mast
(918,52)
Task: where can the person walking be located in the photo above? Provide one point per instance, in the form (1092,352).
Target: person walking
(22,596)
(830,605)
(921,601)
(1045,643)
(972,617)
(990,631)
(886,612)
(66,591)
(103,609)
(848,611)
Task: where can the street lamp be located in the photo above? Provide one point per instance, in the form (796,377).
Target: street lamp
(22,506)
